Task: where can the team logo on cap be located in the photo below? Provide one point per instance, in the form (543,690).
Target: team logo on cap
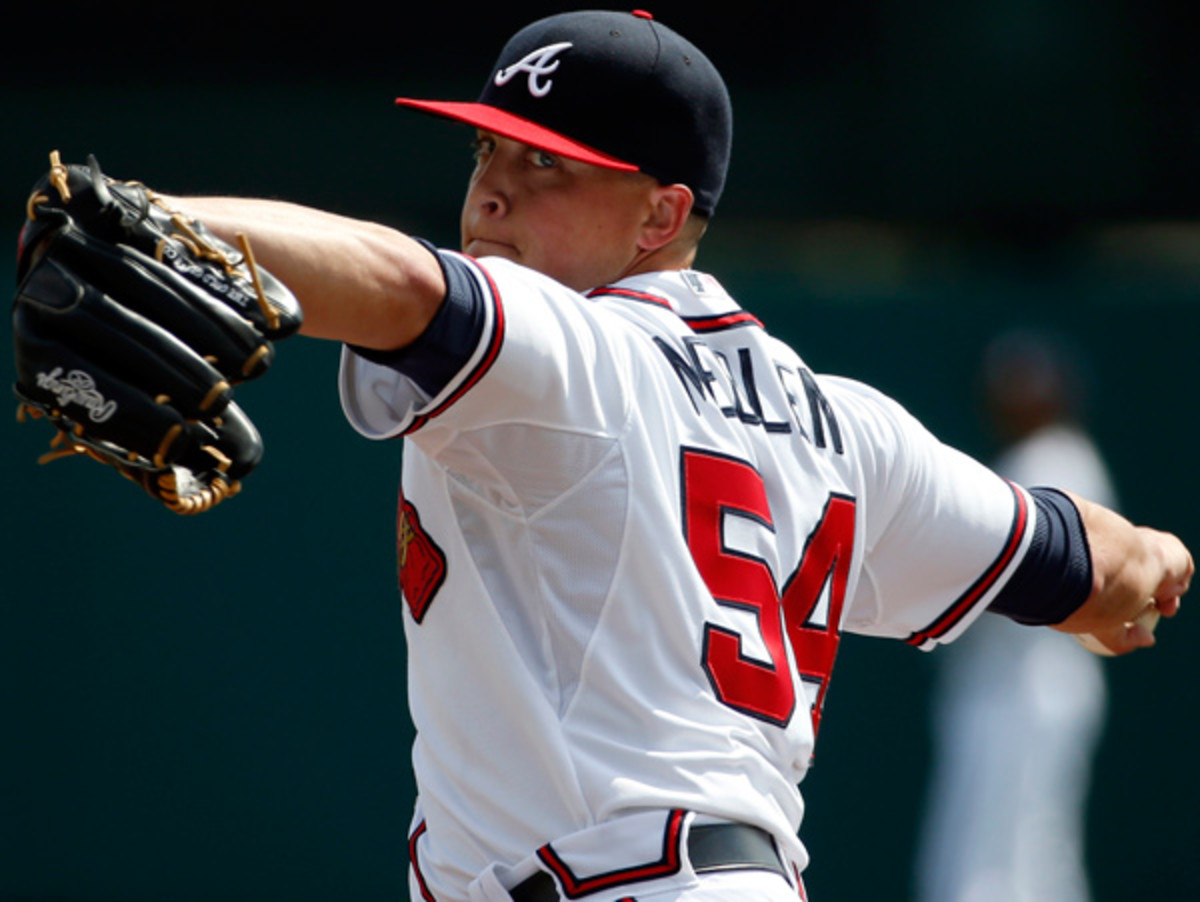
(538,65)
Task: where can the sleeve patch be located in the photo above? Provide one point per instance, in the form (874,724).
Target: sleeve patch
(420,563)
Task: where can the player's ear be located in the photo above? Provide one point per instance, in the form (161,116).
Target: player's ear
(670,206)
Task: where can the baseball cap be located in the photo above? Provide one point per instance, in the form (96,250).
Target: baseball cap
(614,89)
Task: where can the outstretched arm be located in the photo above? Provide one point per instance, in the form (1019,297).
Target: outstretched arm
(356,281)
(1132,567)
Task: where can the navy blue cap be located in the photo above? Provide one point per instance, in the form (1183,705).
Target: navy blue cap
(613,89)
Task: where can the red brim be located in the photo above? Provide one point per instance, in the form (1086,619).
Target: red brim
(493,119)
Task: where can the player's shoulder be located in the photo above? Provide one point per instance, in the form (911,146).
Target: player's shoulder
(875,423)
(861,399)
(500,273)
(535,297)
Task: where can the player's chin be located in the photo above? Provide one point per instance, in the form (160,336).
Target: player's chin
(482,247)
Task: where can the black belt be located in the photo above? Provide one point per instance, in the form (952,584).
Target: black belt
(711,847)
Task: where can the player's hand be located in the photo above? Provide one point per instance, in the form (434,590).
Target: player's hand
(1139,574)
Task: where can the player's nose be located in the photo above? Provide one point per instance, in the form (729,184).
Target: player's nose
(490,193)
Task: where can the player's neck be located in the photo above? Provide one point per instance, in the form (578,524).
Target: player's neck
(673,256)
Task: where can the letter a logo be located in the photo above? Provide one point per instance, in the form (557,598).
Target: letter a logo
(537,65)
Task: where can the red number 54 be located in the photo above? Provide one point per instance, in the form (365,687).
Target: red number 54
(714,486)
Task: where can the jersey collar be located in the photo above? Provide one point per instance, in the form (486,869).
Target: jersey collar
(695,297)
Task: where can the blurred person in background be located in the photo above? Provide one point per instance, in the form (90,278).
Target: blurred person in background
(1018,712)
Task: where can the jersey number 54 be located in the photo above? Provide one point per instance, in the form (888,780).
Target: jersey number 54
(714,486)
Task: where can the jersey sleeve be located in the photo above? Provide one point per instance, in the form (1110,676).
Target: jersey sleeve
(537,359)
(942,534)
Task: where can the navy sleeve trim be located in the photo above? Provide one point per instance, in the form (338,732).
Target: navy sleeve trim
(443,349)
(1055,577)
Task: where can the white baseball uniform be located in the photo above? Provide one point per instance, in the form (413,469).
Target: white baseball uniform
(632,527)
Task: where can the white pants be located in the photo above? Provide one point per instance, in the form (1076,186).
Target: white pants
(716,886)
(724,886)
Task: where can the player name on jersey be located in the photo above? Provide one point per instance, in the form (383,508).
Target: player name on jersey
(709,375)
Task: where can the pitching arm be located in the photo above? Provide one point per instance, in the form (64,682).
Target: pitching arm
(356,281)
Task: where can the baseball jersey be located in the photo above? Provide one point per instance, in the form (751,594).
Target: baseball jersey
(632,528)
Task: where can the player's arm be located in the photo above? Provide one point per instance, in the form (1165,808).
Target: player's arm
(1091,572)
(1131,566)
(358,282)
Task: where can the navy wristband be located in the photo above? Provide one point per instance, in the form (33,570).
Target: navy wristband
(1055,577)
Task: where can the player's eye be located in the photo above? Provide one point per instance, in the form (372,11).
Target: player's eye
(482,147)
(541,159)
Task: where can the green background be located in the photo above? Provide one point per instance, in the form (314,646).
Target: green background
(213,708)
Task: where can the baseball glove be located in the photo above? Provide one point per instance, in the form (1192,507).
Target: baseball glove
(131,326)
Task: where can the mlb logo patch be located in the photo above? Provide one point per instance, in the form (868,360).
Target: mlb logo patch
(696,281)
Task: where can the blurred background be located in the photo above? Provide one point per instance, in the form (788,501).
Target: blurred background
(213,708)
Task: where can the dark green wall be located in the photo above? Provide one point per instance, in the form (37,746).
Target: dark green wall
(207,708)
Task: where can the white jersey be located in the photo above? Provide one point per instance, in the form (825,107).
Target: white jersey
(631,531)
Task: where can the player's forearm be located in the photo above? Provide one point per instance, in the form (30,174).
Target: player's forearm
(1132,566)
(356,281)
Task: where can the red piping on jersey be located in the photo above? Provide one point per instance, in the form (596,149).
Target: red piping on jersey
(725,321)
(631,295)
(971,597)
(489,357)
(696,323)
(574,887)
(412,857)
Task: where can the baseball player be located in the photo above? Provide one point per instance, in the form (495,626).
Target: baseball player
(633,525)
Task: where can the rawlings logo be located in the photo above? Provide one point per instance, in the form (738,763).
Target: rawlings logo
(537,65)
(79,388)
